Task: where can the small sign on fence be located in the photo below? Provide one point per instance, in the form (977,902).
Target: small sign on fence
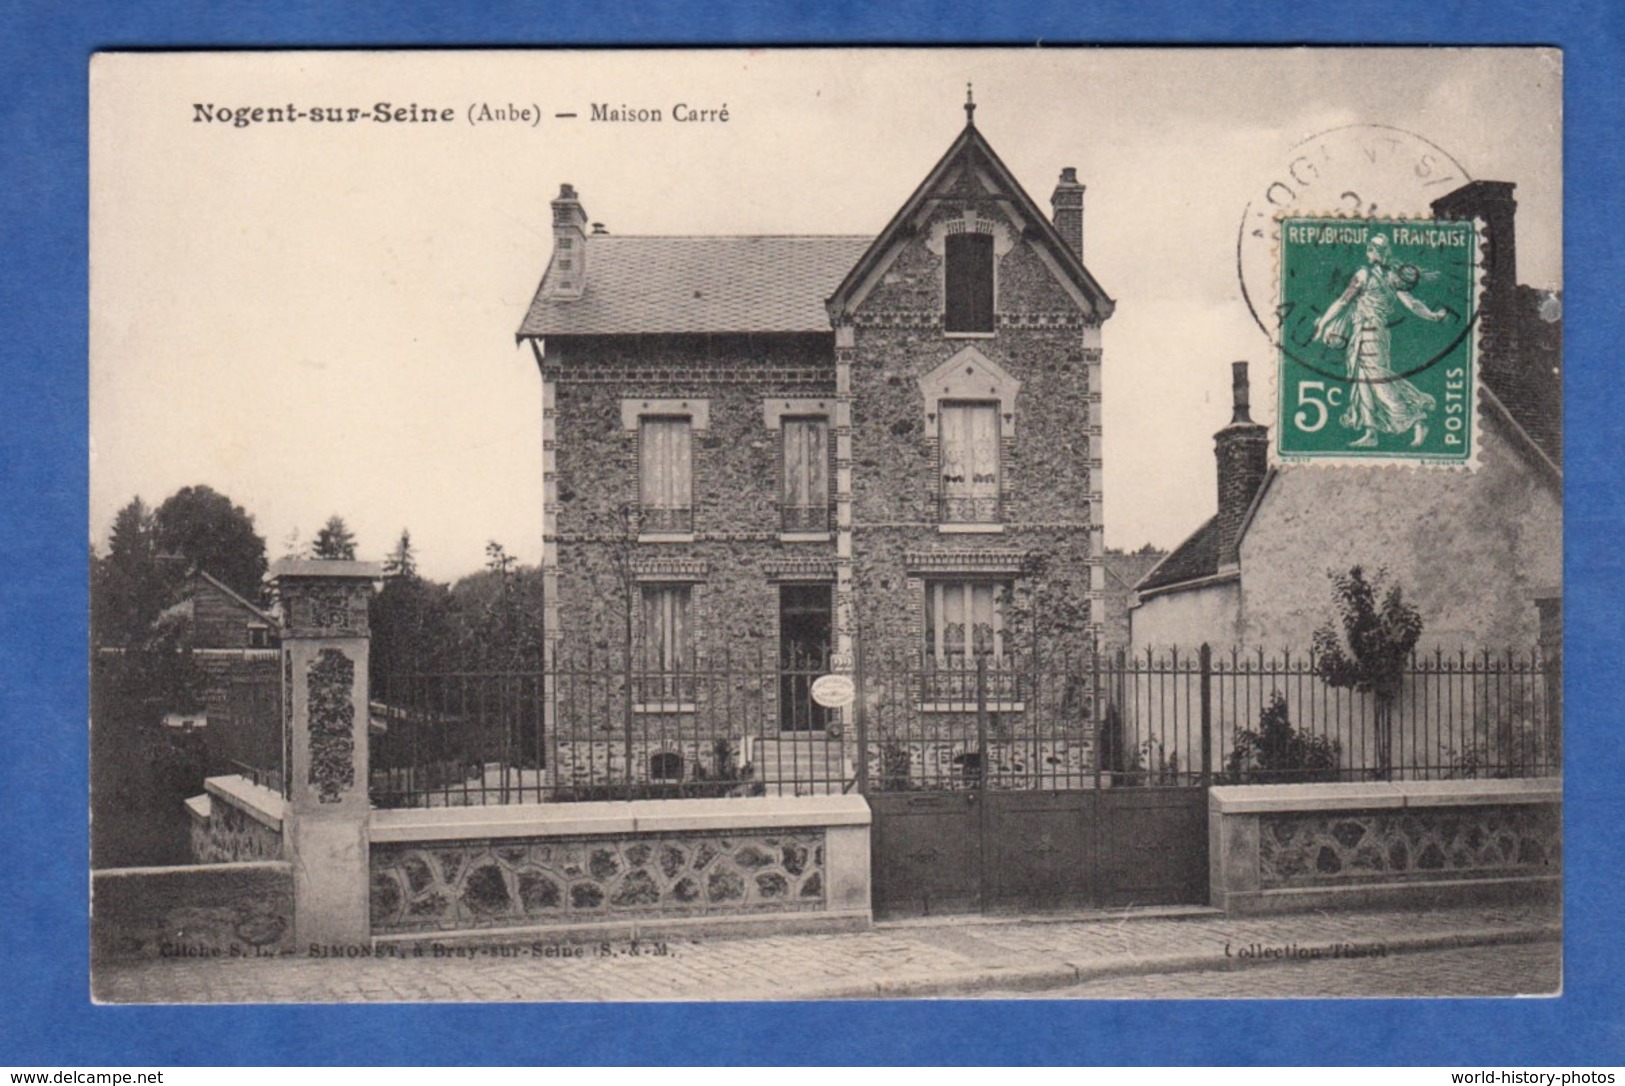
(834,691)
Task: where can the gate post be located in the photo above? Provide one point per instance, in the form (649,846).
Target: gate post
(1099,710)
(860,720)
(981,721)
(1206,658)
(323,609)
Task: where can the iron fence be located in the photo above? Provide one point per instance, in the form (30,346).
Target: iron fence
(1247,718)
(595,725)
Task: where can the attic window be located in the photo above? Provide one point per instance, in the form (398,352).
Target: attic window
(969,286)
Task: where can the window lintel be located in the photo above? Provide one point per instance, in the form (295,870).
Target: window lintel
(970,375)
(636,408)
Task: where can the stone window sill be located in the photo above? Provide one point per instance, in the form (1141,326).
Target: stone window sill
(804,537)
(958,706)
(665,707)
(970,529)
(665,537)
(971,335)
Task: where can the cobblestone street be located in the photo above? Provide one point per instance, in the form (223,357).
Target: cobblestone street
(1532,969)
(1092,956)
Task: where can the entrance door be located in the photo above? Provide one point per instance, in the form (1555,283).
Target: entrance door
(804,643)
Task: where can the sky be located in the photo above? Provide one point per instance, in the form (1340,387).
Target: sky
(319,319)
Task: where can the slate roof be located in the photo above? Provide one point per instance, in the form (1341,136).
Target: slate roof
(1195,558)
(641,285)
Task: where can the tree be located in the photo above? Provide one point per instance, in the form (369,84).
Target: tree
(215,535)
(499,613)
(335,541)
(412,619)
(402,561)
(1373,650)
(129,586)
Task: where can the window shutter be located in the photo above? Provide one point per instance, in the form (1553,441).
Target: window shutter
(969,451)
(665,468)
(806,474)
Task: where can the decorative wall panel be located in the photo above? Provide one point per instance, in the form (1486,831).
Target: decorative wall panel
(450,886)
(1309,849)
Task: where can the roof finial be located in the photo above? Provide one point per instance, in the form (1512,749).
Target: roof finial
(970,107)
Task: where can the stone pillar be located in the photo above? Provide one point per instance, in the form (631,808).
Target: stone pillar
(323,607)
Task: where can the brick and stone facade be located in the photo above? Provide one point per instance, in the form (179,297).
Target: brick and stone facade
(736,338)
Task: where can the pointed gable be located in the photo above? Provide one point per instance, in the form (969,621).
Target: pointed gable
(967,180)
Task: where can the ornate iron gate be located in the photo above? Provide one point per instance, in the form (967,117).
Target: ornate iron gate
(1013,785)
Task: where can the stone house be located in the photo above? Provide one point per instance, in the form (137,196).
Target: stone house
(1479,553)
(772,451)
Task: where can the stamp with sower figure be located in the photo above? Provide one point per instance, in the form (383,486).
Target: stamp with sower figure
(1377,350)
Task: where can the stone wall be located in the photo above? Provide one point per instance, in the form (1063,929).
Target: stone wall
(233,910)
(235,821)
(451,886)
(736,485)
(1057,763)
(1415,844)
(593,763)
(1046,457)
(223,834)
(802,860)
(1317,848)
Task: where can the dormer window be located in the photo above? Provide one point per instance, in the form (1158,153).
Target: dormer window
(969,283)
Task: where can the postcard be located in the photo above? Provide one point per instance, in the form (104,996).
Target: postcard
(826,524)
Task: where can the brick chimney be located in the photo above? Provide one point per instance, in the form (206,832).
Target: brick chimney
(1242,450)
(1493,204)
(567,276)
(1066,203)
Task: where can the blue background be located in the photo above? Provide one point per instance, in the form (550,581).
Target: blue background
(48,1017)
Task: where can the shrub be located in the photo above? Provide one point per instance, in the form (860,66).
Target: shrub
(1278,753)
(894,767)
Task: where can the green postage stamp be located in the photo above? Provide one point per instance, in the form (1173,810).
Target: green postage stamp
(1378,341)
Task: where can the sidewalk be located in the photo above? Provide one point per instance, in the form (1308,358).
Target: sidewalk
(936,957)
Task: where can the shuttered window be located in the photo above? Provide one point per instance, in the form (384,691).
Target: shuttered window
(969,459)
(805,501)
(666,488)
(969,286)
(666,663)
